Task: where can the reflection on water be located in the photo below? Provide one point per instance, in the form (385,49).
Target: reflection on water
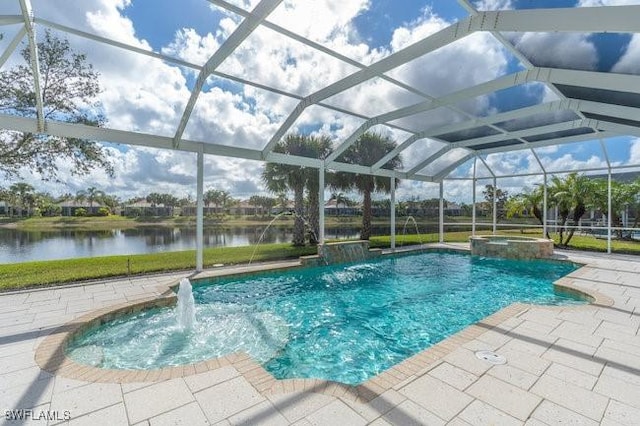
(26,245)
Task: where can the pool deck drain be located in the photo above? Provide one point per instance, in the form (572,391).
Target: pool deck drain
(571,364)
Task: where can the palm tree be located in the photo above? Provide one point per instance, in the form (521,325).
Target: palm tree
(266,203)
(154,199)
(282,201)
(622,195)
(94,194)
(340,199)
(111,201)
(254,201)
(170,202)
(227,201)
(80,197)
(367,149)
(571,195)
(320,148)
(212,196)
(22,195)
(528,202)
(280,178)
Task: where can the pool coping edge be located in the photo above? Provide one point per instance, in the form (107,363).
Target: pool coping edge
(51,353)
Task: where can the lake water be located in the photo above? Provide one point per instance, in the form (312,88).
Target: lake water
(23,246)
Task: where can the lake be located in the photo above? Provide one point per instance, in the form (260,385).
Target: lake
(18,245)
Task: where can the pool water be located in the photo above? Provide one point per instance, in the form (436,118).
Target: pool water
(345,323)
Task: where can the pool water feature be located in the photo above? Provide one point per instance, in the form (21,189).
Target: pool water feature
(345,322)
(186,306)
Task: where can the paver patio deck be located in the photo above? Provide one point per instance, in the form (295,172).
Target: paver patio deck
(569,365)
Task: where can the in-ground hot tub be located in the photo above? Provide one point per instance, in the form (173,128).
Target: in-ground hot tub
(511,247)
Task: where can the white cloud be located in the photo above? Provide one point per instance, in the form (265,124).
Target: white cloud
(567,162)
(191,47)
(634,154)
(148,95)
(493,4)
(629,63)
(558,50)
(595,3)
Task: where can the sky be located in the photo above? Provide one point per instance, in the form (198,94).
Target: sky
(148,95)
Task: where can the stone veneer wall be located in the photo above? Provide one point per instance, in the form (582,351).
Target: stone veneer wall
(341,252)
(511,247)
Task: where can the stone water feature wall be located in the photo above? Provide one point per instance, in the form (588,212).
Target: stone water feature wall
(341,252)
(511,247)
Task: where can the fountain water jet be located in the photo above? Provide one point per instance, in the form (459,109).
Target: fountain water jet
(404,230)
(271,223)
(186,307)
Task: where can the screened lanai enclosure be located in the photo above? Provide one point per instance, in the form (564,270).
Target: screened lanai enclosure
(471,95)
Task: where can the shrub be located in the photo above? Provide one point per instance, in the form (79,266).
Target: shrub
(80,212)
(103,211)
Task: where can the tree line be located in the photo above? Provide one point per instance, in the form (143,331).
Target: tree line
(574,195)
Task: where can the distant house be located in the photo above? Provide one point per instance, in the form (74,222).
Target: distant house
(190,210)
(244,208)
(331,208)
(453,209)
(70,207)
(144,208)
(288,208)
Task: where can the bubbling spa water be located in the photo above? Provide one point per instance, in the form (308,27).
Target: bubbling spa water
(344,322)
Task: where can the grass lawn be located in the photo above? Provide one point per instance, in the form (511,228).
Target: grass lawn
(32,274)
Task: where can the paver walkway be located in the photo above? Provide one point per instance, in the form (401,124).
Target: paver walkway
(564,366)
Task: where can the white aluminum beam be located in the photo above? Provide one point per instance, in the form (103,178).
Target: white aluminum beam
(618,19)
(511,48)
(115,43)
(321,204)
(10,19)
(420,48)
(493,175)
(553,172)
(533,131)
(621,129)
(27,14)
(244,30)
(473,197)
(392,231)
(470,124)
(452,98)
(604,152)
(598,80)
(200,209)
(441,214)
(312,44)
(559,105)
(61,129)
(355,168)
(444,172)
(183,63)
(618,111)
(433,157)
(540,144)
(395,151)
(11,47)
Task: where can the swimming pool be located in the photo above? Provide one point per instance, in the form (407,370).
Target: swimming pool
(345,323)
